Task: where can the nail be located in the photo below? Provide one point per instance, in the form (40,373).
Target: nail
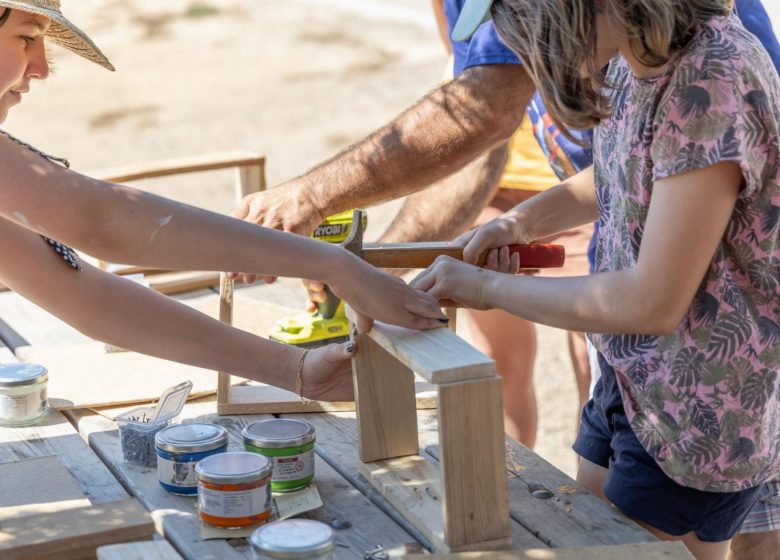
(350,347)
(445,321)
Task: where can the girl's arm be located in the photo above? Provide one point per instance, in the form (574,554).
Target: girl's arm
(686,221)
(121,224)
(563,207)
(120,312)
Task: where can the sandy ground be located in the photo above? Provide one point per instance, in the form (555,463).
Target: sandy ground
(297,80)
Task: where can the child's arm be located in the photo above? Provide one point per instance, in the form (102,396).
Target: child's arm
(686,222)
(120,312)
(121,224)
(563,207)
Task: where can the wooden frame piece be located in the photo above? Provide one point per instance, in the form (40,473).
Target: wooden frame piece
(464,505)
(250,178)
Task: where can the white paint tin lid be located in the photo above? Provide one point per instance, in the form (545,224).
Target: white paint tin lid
(279,433)
(191,438)
(293,538)
(18,375)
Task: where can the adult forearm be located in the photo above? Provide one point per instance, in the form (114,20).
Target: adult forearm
(445,210)
(436,137)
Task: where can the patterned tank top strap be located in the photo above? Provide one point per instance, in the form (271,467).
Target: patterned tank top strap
(66,253)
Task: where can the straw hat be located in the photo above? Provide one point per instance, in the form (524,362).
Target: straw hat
(61,31)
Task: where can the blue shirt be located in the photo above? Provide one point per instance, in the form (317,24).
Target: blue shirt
(566,157)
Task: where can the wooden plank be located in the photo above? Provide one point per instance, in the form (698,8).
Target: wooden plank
(437,355)
(645,551)
(86,376)
(258,398)
(337,443)
(171,283)
(177,515)
(473,472)
(385,403)
(55,436)
(226,316)
(145,550)
(27,324)
(36,486)
(75,533)
(193,164)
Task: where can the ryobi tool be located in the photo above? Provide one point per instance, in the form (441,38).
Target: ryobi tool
(329,322)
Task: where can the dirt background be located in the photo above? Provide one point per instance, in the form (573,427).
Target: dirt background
(296,80)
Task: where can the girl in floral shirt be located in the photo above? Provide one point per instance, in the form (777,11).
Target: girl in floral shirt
(684,426)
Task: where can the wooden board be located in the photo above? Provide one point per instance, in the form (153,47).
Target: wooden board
(145,550)
(36,486)
(337,443)
(385,399)
(473,472)
(644,551)
(55,436)
(566,519)
(438,355)
(177,516)
(75,533)
(258,398)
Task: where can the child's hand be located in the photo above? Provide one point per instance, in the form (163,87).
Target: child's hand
(374,294)
(498,232)
(327,373)
(463,284)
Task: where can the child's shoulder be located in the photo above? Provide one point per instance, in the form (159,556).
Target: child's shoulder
(723,51)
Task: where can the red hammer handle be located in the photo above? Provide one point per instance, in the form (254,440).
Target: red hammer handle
(535,255)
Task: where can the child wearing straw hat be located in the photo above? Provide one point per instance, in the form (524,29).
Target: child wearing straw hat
(42,201)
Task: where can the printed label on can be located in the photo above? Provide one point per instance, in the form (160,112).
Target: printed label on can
(293,467)
(241,503)
(19,407)
(177,473)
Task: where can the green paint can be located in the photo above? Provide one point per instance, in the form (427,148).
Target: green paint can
(289,444)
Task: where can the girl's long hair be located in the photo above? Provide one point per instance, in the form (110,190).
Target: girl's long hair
(556,41)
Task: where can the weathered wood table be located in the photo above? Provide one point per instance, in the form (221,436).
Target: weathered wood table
(548,509)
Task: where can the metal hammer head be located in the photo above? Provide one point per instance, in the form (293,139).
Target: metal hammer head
(354,241)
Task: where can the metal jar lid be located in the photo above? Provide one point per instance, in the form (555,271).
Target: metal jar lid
(191,438)
(237,467)
(293,538)
(278,433)
(18,375)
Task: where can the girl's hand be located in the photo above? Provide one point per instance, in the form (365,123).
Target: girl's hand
(374,294)
(499,232)
(327,373)
(450,280)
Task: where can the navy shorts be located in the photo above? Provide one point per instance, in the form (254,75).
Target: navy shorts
(638,486)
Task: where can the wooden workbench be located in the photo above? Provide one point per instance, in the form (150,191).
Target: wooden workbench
(548,509)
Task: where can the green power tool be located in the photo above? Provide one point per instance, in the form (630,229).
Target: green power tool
(329,322)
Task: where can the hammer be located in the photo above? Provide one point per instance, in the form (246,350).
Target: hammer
(422,255)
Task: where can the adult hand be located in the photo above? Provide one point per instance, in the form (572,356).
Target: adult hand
(374,294)
(327,373)
(499,232)
(287,207)
(452,281)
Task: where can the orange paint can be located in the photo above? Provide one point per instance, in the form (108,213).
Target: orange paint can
(234,489)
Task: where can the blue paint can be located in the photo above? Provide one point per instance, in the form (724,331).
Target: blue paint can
(179,448)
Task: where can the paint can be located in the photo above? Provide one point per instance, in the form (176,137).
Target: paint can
(234,489)
(293,539)
(23,389)
(179,448)
(290,445)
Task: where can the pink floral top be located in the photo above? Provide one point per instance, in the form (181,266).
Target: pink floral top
(705,400)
